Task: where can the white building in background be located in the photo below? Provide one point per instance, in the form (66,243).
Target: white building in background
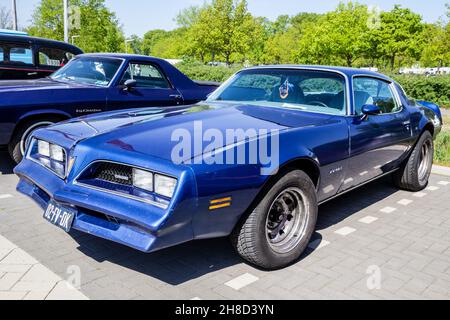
(425,71)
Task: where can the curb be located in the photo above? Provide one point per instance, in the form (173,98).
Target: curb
(443,171)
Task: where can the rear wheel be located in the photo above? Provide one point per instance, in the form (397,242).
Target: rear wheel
(18,143)
(414,175)
(279,229)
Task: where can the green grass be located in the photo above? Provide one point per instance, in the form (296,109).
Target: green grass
(442,145)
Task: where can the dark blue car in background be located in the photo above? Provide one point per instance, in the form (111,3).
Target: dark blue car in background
(89,84)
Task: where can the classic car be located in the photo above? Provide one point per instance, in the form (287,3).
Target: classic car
(24,57)
(89,84)
(253,162)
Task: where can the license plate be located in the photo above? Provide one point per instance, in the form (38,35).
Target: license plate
(59,215)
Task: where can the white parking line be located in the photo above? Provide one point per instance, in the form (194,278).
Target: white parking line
(196,299)
(5,196)
(432,188)
(388,210)
(345,231)
(419,194)
(405,202)
(444,183)
(318,244)
(368,220)
(242,281)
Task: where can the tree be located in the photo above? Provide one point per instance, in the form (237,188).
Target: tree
(99,29)
(5,18)
(400,34)
(150,40)
(188,17)
(134,44)
(224,28)
(338,37)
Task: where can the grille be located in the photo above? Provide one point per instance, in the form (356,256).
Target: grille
(114,173)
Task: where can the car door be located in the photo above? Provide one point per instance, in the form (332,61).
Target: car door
(152,88)
(377,142)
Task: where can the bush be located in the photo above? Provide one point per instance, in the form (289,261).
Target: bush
(442,147)
(434,89)
(199,71)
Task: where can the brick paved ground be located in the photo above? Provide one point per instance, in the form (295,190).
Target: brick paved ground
(375,232)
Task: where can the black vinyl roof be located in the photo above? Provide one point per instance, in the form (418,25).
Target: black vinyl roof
(40,41)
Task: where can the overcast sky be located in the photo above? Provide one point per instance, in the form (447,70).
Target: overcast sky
(139,16)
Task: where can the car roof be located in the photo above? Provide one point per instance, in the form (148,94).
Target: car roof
(123,56)
(349,72)
(40,41)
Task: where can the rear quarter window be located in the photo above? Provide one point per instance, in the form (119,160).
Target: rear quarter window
(54,57)
(16,54)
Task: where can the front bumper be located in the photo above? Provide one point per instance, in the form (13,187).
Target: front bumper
(126,221)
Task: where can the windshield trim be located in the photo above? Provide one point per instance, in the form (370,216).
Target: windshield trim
(110,83)
(344,75)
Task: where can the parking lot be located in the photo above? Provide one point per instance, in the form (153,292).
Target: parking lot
(376,242)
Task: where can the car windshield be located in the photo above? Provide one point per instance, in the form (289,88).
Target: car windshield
(89,70)
(309,90)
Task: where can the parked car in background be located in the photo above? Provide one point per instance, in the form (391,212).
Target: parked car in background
(122,175)
(89,84)
(24,57)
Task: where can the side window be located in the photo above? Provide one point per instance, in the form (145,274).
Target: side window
(146,76)
(374,91)
(53,57)
(16,54)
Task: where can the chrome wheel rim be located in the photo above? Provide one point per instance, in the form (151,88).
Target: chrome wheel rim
(28,132)
(425,160)
(287,220)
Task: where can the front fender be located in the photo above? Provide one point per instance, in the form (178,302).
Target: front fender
(55,112)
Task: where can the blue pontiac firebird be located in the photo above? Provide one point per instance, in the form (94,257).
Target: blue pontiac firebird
(254,161)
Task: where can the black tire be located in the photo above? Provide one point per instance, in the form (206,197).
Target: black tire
(412,176)
(251,238)
(17,144)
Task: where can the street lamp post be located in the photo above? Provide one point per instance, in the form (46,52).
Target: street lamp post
(126,44)
(66,20)
(14,14)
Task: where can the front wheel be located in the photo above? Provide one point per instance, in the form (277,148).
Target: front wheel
(18,143)
(414,174)
(279,229)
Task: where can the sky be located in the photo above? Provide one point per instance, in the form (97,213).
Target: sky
(139,16)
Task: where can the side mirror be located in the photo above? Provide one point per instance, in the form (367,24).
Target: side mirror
(370,110)
(130,84)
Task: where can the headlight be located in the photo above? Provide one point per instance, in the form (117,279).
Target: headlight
(44,148)
(56,153)
(143,179)
(164,185)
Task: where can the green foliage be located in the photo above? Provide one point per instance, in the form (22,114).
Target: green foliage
(99,28)
(225,30)
(434,89)
(199,71)
(442,149)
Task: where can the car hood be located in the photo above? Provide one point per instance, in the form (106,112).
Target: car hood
(155,131)
(38,84)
